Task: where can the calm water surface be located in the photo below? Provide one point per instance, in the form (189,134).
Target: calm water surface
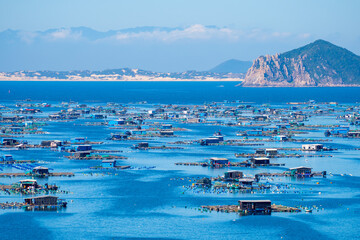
(149,204)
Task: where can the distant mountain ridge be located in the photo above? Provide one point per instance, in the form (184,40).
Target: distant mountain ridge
(320,63)
(232,66)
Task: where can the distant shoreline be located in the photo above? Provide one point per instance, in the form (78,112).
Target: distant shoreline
(97,80)
(238,81)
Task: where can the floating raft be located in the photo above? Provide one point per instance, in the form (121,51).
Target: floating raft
(116,167)
(301,150)
(59,174)
(223,143)
(250,155)
(87,142)
(232,164)
(231,143)
(28,132)
(12,205)
(96,157)
(106,151)
(287,174)
(158,148)
(17,205)
(17,162)
(235,208)
(130,138)
(5,187)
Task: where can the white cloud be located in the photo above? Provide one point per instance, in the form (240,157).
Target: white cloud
(201,32)
(27,37)
(304,35)
(281,34)
(196,31)
(64,34)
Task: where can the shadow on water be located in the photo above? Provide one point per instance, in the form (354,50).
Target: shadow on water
(12,227)
(135,238)
(290,229)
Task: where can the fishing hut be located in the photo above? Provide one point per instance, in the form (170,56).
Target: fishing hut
(271,151)
(312,147)
(116,122)
(7,159)
(260,118)
(234,174)
(118,136)
(166,126)
(354,134)
(80,140)
(260,152)
(280,138)
(210,140)
(246,182)
(166,133)
(80,148)
(9,142)
(255,206)
(56,144)
(42,201)
(45,143)
(40,170)
(300,171)
(108,163)
(204,182)
(260,161)
(45,201)
(253,132)
(142,145)
(82,154)
(218,162)
(28,183)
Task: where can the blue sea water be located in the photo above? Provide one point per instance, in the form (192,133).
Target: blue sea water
(169,92)
(149,204)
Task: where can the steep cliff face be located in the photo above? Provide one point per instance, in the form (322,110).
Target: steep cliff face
(317,64)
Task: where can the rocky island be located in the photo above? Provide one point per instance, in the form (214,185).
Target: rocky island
(318,64)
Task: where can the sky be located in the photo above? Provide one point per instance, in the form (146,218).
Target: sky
(165,35)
